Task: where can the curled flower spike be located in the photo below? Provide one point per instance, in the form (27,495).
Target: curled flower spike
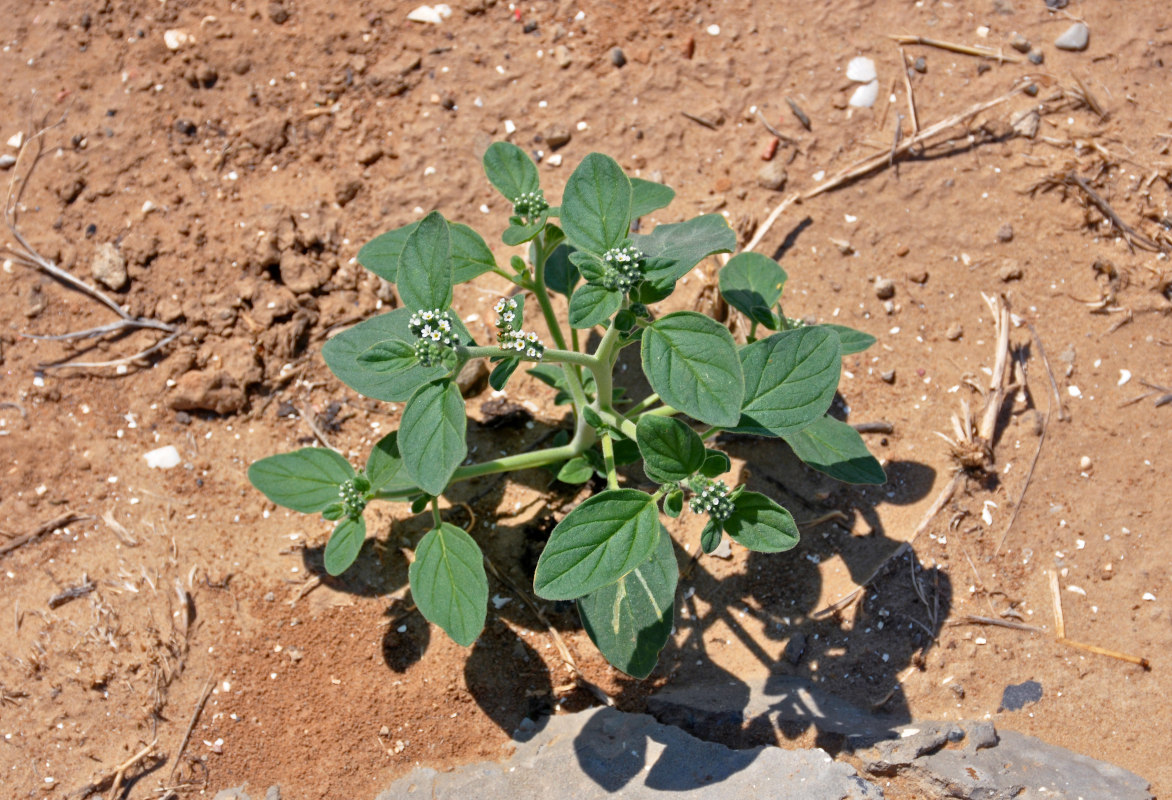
(506,314)
(622,268)
(527,344)
(353,499)
(434,334)
(711,498)
(530,204)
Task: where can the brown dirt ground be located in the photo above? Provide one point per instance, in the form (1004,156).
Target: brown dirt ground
(284,135)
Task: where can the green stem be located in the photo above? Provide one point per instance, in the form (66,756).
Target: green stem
(435,515)
(612,478)
(643,404)
(551,320)
(508,276)
(617,420)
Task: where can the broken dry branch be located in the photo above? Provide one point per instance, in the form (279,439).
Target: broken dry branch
(968,50)
(1060,632)
(40,530)
(1130,235)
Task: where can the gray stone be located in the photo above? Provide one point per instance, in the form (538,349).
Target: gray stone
(772,176)
(1076,37)
(1019,43)
(1036,57)
(109,267)
(603,753)
(1019,695)
(617,57)
(273,793)
(562,57)
(914,741)
(1018,766)
(718,709)
(235,793)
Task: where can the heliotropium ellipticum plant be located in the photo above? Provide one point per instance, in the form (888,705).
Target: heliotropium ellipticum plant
(610,554)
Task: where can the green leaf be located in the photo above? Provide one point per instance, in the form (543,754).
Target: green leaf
(690,361)
(765,316)
(341,355)
(836,448)
(510,170)
(852,341)
(425,266)
(592,305)
(648,196)
(576,470)
(630,621)
(597,543)
(751,280)
(589,266)
(560,273)
(790,379)
(419,503)
(381,254)
(448,583)
(519,234)
(305,480)
(470,254)
(761,524)
(671,450)
(716,463)
(625,451)
(385,464)
(387,358)
(673,503)
(432,435)
(344,545)
(710,537)
(675,248)
(596,205)
(502,372)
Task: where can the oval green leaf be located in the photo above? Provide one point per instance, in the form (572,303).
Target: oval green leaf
(690,361)
(592,304)
(576,470)
(344,545)
(751,280)
(790,379)
(425,266)
(835,448)
(760,524)
(305,480)
(853,341)
(471,256)
(510,170)
(384,466)
(432,435)
(630,620)
(597,543)
(381,254)
(673,249)
(710,537)
(560,273)
(341,355)
(389,357)
(596,205)
(671,450)
(448,583)
(648,196)
(716,463)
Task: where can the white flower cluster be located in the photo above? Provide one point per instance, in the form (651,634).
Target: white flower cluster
(711,498)
(623,268)
(530,204)
(434,325)
(511,337)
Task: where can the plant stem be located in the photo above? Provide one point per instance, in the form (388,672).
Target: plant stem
(612,478)
(643,404)
(435,515)
(614,419)
(551,320)
(511,278)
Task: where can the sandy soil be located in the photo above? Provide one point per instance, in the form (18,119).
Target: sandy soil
(237,175)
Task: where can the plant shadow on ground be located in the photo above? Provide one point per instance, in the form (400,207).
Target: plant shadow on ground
(830,680)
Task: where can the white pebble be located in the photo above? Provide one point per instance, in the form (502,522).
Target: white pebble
(865,95)
(1074,391)
(1084,463)
(163,458)
(714,30)
(1124,376)
(1076,590)
(555,160)
(861,69)
(432,15)
(1149,597)
(582,125)
(175,38)
(16,140)
(509,126)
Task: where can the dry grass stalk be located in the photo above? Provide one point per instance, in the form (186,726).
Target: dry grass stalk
(968,50)
(1060,632)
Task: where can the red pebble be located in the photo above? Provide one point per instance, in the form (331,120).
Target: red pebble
(770,149)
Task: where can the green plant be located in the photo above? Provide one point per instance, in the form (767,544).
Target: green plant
(610,553)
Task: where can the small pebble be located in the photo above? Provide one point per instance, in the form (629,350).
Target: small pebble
(561,56)
(884,288)
(7,160)
(1005,233)
(1019,43)
(772,176)
(1010,272)
(919,277)
(1076,37)
(1084,463)
(617,58)
(866,95)
(889,376)
(861,69)
(1036,57)
(954,332)
(920,65)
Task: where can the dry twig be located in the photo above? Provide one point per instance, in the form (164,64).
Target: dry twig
(1130,235)
(203,699)
(968,50)
(40,530)
(27,255)
(1060,632)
